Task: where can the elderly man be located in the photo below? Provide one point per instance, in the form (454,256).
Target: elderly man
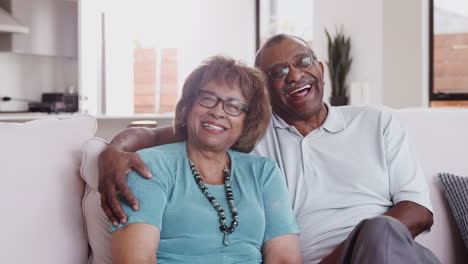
(358,193)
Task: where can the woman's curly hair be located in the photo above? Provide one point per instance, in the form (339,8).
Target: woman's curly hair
(232,73)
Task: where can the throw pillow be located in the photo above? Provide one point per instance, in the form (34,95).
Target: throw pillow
(456,191)
(41,190)
(96,223)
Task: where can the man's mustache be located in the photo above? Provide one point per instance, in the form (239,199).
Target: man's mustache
(303,81)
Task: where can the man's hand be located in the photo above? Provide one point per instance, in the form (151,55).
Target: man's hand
(415,217)
(114,165)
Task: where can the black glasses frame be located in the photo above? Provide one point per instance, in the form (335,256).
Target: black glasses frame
(243,105)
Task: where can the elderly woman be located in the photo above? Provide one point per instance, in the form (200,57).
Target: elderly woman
(211,202)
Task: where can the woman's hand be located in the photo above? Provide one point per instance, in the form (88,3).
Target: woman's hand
(114,165)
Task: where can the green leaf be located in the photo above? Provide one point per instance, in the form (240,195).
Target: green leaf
(339,61)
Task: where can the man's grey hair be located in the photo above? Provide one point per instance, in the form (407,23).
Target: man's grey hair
(277,39)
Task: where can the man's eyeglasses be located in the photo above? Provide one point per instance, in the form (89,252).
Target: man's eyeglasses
(281,70)
(231,107)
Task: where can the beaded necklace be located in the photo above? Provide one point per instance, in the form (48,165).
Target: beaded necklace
(230,199)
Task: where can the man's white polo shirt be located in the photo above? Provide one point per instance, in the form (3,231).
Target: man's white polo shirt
(357,165)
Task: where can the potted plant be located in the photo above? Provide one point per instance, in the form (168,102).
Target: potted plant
(339,64)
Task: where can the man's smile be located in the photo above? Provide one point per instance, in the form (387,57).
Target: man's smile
(302,88)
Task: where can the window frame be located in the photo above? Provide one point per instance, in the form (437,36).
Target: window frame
(437,96)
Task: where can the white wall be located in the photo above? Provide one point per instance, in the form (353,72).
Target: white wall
(27,76)
(389,47)
(362,21)
(405,53)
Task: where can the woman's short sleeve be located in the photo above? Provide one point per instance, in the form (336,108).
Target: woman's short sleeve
(279,217)
(151,193)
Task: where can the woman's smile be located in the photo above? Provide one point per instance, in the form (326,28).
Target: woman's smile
(213,127)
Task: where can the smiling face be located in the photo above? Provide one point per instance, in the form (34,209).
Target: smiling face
(298,95)
(211,128)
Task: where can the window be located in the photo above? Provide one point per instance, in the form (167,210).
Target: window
(449,50)
(291,17)
(146,49)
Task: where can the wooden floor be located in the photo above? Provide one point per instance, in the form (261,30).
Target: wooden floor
(451,103)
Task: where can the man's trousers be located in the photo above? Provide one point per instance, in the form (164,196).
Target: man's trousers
(383,240)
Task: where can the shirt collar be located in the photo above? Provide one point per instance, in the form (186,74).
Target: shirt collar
(334,122)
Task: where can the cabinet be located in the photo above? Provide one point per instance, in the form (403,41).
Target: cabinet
(53,27)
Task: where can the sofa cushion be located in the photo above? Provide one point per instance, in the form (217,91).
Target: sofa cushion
(437,137)
(97,224)
(456,191)
(42,190)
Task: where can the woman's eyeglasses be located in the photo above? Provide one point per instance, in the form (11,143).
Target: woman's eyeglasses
(281,70)
(231,107)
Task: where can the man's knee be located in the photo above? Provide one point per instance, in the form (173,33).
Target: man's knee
(380,226)
(380,223)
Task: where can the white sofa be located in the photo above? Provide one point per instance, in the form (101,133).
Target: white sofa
(42,190)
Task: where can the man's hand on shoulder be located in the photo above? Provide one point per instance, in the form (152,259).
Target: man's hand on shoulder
(114,165)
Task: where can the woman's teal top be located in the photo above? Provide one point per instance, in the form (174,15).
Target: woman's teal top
(189,224)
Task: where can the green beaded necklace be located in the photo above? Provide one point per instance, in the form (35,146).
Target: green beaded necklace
(230,199)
